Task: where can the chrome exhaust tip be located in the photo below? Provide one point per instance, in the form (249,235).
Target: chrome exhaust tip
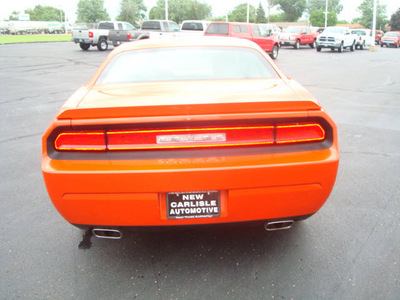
(278,225)
(106,233)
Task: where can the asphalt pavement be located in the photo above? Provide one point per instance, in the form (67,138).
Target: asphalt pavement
(350,249)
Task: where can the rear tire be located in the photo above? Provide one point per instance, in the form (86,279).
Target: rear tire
(102,45)
(352,47)
(275,52)
(313,44)
(84,46)
(297,44)
(319,49)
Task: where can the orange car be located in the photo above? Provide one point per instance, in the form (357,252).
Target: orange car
(188,132)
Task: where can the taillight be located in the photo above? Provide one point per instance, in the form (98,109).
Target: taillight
(184,138)
(190,138)
(129,35)
(91,34)
(299,133)
(81,141)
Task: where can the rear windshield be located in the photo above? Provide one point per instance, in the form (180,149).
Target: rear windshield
(293,30)
(192,26)
(106,25)
(218,28)
(155,25)
(186,63)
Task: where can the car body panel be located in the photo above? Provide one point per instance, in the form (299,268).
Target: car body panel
(129,188)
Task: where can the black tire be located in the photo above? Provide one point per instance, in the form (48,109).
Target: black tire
(102,45)
(275,52)
(313,44)
(352,47)
(340,49)
(362,46)
(381,45)
(297,44)
(319,49)
(84,46)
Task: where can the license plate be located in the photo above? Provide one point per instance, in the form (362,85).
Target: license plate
(191,205)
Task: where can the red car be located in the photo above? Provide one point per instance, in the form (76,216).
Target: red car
(253,32)
(298,35)
(391,38)
(188,132)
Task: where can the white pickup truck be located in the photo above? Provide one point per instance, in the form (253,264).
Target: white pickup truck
(336,38)
(107,33)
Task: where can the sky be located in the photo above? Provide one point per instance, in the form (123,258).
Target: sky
(219,7)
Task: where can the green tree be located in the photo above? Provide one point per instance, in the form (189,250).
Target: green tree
(293,9)
(395,20)
(260,14)
(13,16)
(91,11)
(239,13)
(333,5)
(317,18)
(270,4)
(366,9)
(132,11)
(45,13)
(181,10)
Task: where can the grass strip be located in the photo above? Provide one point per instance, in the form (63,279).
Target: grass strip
(14,39)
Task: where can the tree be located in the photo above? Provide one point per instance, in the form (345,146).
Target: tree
(45,13)
(293,9)
(132,11)
(270,4)
(366,9)
(395,20)
(180,10)
(333,5)
(260,14)
(91,11)
(317,18)
(239,14)
(13,16)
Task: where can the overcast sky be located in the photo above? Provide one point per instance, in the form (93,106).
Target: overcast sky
(219,7)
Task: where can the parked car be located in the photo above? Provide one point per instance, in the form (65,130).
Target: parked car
(157,138)
(253,32)
(194,27)
(336,38)
(364,38)
(275,30)
(378,36)
(156,29)
(391,38)
(297,35)
(113,33)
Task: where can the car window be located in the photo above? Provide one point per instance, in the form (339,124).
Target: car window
(256,30)
(196,26)
(189,63)
(120,26)
(293,30)
(151,25)
(173,26)
(106,25)
(128,26)
(218,28)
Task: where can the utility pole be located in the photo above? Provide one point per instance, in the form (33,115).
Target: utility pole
(166,10)
(248,13)
(326,14)
(373,47)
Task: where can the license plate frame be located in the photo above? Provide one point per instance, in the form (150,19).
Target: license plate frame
(193,205)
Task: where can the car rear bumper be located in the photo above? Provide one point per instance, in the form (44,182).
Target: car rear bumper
(126,193)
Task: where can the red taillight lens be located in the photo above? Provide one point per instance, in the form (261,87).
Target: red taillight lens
(181,138)
(299,133)
(91,34)
(81,141)
(129,35)
(190,138)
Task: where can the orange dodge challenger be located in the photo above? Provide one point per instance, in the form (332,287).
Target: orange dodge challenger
(188,132)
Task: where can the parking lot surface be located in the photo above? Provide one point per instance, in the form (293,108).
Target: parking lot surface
(349,250)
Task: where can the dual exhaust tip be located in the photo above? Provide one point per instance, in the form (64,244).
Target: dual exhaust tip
(115,234)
